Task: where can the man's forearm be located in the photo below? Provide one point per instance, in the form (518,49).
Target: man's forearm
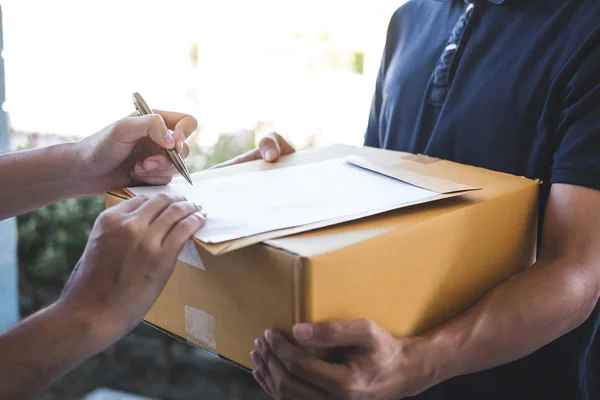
(35,178)
(43,348)
(517,318)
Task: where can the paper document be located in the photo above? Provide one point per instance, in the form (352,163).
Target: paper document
(257,202)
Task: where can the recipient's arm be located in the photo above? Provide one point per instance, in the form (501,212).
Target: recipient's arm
(46,346)
(32,179)
(129,258)
(536,307)
(126,153)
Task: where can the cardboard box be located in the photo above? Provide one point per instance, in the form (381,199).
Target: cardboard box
(409,270)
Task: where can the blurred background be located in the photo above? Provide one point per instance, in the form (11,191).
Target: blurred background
(243,68)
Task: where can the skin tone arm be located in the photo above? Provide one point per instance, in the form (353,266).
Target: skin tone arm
(541,304)
(123,154)
(128,260)
(130,254)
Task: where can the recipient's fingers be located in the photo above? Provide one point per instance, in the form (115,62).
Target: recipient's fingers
(132,129)
(157,162)
(150,210)
(172,215)
(152,180)
(182,232)
(182,125)
(128,205)
(179,122)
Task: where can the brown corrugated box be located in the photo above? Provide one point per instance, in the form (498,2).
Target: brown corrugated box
(409,270)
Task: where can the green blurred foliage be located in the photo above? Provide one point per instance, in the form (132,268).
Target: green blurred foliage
(358,62)
(52,238)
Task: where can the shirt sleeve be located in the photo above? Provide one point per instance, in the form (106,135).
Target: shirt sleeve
(372,134)
(577,157)
(372,137)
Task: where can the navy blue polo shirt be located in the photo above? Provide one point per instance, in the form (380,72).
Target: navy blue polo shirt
(512,86)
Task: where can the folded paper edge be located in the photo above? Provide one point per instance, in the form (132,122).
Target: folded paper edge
(434,184)
(444,188)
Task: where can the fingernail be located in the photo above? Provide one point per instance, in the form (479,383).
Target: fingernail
(269,334)
(169,140)
(150,165)
(270,155)
(256,343)
(303,331)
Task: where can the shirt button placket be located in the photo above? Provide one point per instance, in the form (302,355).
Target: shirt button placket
(440,83)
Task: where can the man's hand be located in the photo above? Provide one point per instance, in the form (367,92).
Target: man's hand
(129,259)
(520,316)
(130,151)
(374,364)
(270,148)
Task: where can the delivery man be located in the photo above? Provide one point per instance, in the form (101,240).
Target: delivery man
(130,254)
(512,86)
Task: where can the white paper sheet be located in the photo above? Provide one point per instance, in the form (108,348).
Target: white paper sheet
(257,202)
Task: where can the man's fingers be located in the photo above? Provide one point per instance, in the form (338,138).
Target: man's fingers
(248,156)
(262,368)
(183,231)
(273,146)
(269,148)
(286,385)
(261,381)
(260,378)
(360,332)
(305,366)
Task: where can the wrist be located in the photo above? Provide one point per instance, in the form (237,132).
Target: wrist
(81,178)
(96,328)
(423,364)
(67,161)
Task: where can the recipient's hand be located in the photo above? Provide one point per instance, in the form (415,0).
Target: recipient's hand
(130,151)
(374,366)
(270,148)
(128,260)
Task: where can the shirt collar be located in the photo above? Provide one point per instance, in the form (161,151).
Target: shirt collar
(489,1)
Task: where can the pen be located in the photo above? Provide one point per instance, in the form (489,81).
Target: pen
(143,109)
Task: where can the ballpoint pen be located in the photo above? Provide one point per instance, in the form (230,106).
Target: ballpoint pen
(143,109)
